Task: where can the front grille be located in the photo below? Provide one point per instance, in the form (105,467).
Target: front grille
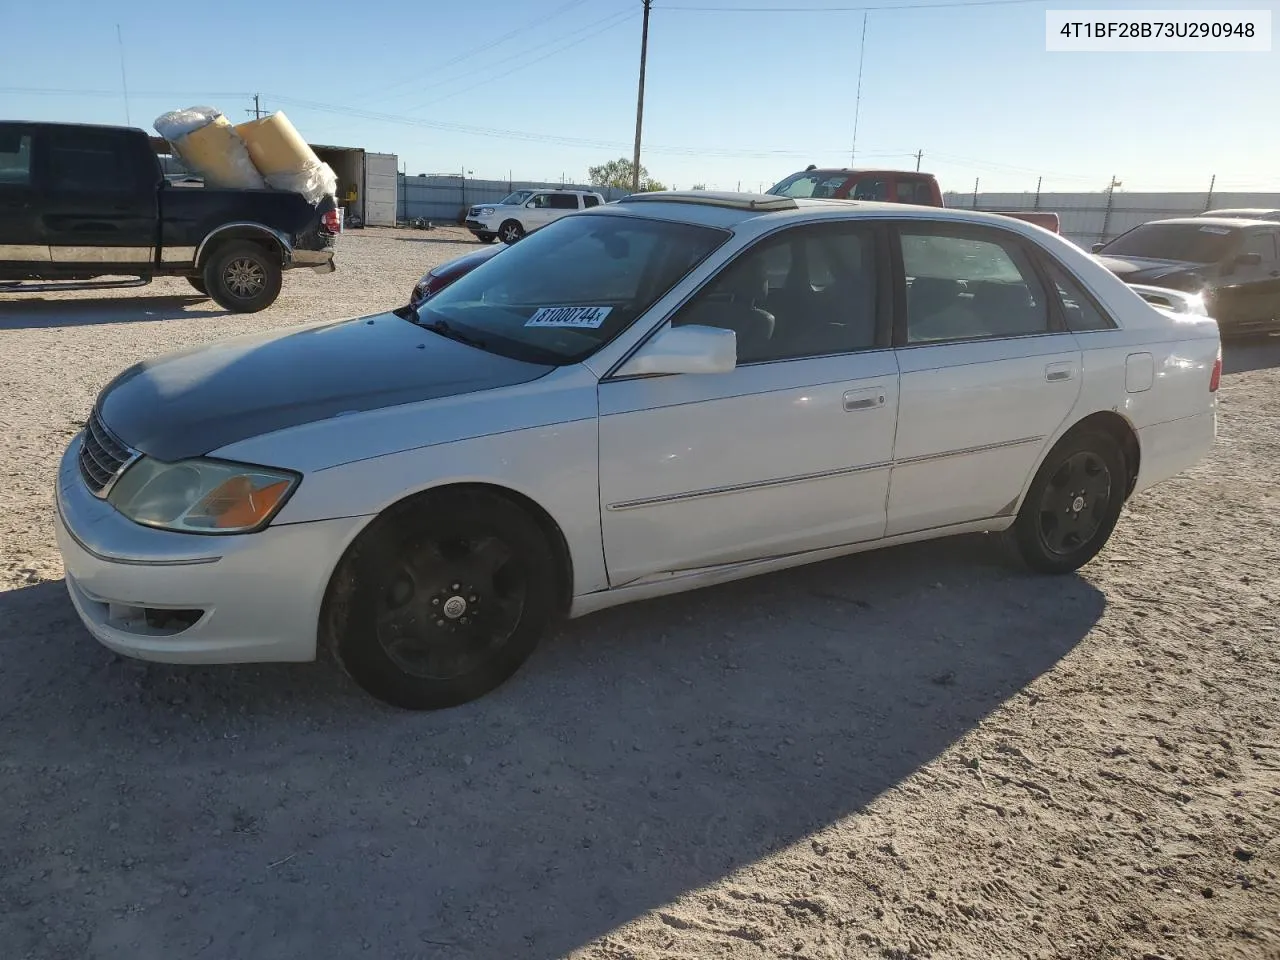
(473,212)
(102,456)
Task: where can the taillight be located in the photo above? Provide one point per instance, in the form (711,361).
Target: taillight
(1215,378)
(332,221)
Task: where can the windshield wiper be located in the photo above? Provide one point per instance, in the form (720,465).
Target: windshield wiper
(442,327)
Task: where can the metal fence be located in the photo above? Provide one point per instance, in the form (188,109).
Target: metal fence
(1087,218)
(444,199)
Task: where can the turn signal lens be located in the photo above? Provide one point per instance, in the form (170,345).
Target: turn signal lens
(236,504)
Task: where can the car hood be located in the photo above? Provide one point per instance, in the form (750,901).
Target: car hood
(464,264)
(1144,269)
(190,403)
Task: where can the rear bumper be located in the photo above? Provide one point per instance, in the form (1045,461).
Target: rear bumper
(319,260)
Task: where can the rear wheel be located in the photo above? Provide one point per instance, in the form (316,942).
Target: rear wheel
(1073,504)
(510,231)
(442,599)
(199,285)
(243,277)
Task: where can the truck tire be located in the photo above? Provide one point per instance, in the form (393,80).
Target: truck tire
(510,231)
(199,285)
(243,277)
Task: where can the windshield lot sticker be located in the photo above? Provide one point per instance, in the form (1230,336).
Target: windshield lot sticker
(1220,231)
(568,317)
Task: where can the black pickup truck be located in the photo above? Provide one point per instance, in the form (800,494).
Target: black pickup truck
(87,207)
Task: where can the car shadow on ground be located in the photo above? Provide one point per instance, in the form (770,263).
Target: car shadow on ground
(1245,356)
(643,753)
(33,312)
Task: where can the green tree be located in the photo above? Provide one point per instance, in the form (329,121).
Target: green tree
(618,174)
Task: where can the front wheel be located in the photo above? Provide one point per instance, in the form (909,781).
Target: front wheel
(510,231)
(243,277)
(442,599)
(1073,504)
(486,237)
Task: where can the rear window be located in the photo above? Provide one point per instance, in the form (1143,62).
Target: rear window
(590,201)
(914,191)
(1189,242)
(570,287)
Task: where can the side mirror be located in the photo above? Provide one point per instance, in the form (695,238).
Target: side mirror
(1097,246)
(691,349)
(1248,259)
(531,205)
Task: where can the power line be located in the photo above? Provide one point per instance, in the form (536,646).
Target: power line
(616,19)
(861,9)
(467,55)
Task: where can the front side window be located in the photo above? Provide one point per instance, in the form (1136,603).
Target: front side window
(1263,244)
(870,188)
(969,285)
(541,201)
(15,159)
(570,287)
(517,198)
(805,292)
(564,201)
(1188,242)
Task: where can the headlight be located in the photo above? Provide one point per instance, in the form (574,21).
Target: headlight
(486,211)
(202,496)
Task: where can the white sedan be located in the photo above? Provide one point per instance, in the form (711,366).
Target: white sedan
(654,395)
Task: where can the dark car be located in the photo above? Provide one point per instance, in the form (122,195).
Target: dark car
(440,276)
(1233,264)
(83,206)
(1246,213)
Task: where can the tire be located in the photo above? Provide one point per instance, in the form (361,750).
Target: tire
(199,285)
(486,237)
(1073,504)
(243,277)
(442,599)
(510,231)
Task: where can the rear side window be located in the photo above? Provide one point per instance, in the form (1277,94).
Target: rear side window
(564,201)
(969,285)
(15,159)
(1263,244)
(913,191)
(87,161)
(1081,312)
(870,188)
(590,201)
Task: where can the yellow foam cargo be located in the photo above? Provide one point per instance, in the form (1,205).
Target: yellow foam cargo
(216,153)
(275,147)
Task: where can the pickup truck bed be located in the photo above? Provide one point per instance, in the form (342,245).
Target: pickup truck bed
(81,204)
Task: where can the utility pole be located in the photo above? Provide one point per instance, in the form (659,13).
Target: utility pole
(644,54)
(919,155)
(1208,200)
(257,108)
(1039,181)
(975,193)
(857,103)
(124,83)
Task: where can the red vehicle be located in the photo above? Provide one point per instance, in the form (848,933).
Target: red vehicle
(885,186)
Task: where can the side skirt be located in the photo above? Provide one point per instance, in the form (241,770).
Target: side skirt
(664,584)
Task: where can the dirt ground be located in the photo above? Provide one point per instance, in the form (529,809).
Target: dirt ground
(924,752)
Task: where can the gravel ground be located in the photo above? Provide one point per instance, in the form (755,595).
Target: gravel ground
(923,752)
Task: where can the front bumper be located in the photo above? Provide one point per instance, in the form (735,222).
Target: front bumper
(479,226)
(233,599)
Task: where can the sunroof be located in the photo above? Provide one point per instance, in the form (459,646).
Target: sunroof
(735,201)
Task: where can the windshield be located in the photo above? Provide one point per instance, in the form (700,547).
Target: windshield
(515,199)
(566,290)
(812,183)
(1191,242)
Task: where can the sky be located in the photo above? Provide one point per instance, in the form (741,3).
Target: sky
(544,89)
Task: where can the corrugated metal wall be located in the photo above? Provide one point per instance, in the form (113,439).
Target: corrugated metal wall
(445,199)
(1087,218)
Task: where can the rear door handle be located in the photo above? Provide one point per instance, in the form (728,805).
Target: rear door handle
(1055,372)
(863,400)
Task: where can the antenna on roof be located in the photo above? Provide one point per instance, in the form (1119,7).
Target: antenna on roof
(812,166)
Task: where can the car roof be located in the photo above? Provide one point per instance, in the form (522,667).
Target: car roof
(1239,213)
(1233,222)
(867,170)
(729,210)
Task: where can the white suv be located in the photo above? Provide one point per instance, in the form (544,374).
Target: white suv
(525,211)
